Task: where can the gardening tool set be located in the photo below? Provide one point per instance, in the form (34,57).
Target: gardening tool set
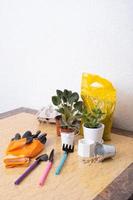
(26,146)
(23,147)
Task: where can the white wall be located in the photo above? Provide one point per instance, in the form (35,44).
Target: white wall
(47,44)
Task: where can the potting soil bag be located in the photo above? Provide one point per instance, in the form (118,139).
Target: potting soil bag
(98,91)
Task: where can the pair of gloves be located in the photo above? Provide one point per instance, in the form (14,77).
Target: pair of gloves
(21,149)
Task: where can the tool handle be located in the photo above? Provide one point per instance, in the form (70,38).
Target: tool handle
(30,168)
(45,174)
(64,157)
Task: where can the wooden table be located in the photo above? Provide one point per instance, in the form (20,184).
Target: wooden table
(77,181)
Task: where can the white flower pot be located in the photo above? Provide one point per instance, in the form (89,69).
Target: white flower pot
(67,138)
(94,134)
(86,148)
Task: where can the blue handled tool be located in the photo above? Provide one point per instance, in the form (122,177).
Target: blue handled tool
(62,161)
(67,149)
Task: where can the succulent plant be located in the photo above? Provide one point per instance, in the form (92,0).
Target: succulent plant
(70,108)
(93,117)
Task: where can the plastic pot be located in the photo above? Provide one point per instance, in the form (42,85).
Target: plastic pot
(67,136)
(94,134)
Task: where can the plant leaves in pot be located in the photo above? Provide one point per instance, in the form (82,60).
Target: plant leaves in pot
(70,108)
(92,124)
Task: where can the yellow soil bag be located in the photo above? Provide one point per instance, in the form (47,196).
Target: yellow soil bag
(98,91)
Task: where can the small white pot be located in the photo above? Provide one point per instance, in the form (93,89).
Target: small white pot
(94,134)
(86,148)
(67,138)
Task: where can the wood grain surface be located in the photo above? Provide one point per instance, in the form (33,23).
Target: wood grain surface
(77,181)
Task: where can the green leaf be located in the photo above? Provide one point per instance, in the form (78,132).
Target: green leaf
(66,93)
(93,118)
(64,99)
(59,93)
(56,100)
(69,94)
(64,123)
(74,98)
(60,110)
(79,106)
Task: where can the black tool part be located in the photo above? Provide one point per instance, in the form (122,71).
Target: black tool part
(17,137)
(27,134)
(51,156)
(29,140)
(68,148)
(37,134)
(42,138)
(43,157)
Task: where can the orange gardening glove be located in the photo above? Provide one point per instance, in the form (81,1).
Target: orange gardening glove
(20,150)
(19,147)
(16,161)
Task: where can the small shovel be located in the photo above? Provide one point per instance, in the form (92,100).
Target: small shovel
(43,157)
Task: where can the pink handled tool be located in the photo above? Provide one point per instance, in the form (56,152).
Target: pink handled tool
(47,169)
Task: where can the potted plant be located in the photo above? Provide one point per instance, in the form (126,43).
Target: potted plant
(92,124)
(70,108)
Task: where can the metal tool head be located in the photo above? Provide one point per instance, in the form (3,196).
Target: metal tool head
(68,148)
(36,134)
(17,137)
(43,157)
(27,134)
(42,138)
(51,156)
